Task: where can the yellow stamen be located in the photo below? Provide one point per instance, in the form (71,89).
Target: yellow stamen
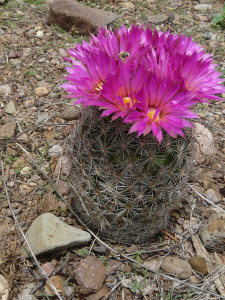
(151,114)
(99,87)
(127,100)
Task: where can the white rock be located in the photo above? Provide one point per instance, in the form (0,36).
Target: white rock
(203,6)
(127,5)
(204,148)
(4,288)
(25,294)
(10,108)
(40,33)
(55,150)
(25,171)
(5,90)
(48,233)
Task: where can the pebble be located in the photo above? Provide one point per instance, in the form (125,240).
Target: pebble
(177,266)
(25,171)
(203,7)
(8,130)
(5,90)
(211,195)
(48,233)
(213,233)
(204,148)
(71,113)
(10,108)
(49,202)
(55,150)
(40,33)
(157,19)
(42,116)
(58,283)
(25,294)
(90,275)
(100,250)
(4,288)
(127,5)
(41,91)
(64,188)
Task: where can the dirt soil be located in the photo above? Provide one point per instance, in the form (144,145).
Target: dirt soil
(31,58)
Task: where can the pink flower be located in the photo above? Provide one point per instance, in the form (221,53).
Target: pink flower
(162,105)
(148,78)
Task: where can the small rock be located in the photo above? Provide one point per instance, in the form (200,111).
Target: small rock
(68,14)
(62,52)
(127,5)
(10,108)
(42,116)
(8,130)
(204,147)
(48,233)
(49,203)
(207,184)
(5,90)
(203,6)
(58,283)
(100,294)
(157,19)
(64,188)
(25,171)
(25,189)
(213,233)
(41,91)
(48,268)
(63,166)
(40,33)
(4,288)
(211,195)
(55,150)
(113,266)
(152,264)
(100,250)
(90,275)
(71,113)
(25,294)
(176,266)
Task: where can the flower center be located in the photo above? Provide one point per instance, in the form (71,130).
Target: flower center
(151,114)
(99,87)
(127,100)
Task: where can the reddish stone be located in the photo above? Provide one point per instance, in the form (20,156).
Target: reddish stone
(90,275)
(71,14)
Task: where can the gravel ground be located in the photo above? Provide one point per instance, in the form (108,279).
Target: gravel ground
(31,71)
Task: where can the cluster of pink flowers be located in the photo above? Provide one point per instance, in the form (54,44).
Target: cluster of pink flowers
(148,78)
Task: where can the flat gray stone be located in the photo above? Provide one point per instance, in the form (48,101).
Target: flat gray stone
(25,294)
(203,7)
(5,90)
(157,19)
(48,233)
(71,14)
(10,108)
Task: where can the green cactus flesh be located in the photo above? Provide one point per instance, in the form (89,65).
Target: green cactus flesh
(125,186)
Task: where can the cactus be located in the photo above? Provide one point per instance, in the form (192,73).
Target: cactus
(125,186)
(130,171)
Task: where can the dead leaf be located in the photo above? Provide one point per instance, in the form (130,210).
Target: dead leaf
(198,264)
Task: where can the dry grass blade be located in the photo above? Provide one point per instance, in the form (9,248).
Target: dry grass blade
(207,200)
(17,223)
(110,248)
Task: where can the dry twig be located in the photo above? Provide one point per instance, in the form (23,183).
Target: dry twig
(17,223)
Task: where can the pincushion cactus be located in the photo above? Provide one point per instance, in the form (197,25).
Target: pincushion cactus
(129,170)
